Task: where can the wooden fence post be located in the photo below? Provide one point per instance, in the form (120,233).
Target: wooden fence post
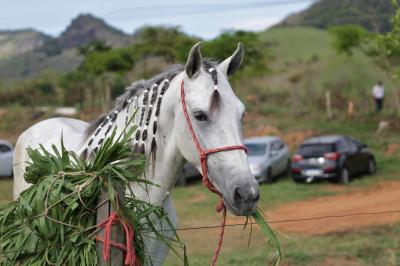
(116,257)
(328,104)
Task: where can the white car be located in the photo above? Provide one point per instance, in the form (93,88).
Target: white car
(268,157)
(6,158)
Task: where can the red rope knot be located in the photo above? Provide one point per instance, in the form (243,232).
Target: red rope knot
(130,256)
(220,205)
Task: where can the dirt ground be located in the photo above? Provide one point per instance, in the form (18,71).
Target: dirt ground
(381,197)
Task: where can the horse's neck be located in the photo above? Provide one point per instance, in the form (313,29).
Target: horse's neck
(167,165)
(168,161)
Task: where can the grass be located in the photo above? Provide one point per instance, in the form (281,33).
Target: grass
(371,246)
(298,43)
(5,190)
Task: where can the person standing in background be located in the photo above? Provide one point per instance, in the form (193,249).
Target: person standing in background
(378,92)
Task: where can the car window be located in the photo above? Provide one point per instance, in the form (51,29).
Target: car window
(311,150)
(351,145)
(357,143)
(4,148)
(342,145)
(256,149)
(277,145)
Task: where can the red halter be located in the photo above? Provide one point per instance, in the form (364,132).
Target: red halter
(203,161)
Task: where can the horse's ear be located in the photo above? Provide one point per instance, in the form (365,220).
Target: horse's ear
(232,63)
(194,60)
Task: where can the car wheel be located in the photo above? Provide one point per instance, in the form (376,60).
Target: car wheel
(268,176)
(344,176)
(371,166)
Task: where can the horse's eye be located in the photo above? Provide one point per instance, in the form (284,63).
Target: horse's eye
(200,116)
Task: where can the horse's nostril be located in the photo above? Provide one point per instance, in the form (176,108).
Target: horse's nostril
(257,197)
(237,196)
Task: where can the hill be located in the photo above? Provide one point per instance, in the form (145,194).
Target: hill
(13,43)
(374,15)
(304,68)
(26,53)
(87,28)
(31,64)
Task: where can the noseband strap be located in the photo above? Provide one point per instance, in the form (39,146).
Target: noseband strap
(203,153)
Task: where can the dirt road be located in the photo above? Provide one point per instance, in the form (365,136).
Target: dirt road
(380,197)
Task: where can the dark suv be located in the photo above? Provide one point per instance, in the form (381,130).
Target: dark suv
(331,157)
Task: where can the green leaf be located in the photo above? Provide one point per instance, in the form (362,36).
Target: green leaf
(267,231)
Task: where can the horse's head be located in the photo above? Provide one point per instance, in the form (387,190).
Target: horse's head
(216,115)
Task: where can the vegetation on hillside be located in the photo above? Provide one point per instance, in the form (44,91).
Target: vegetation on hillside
(384,48)
(105,72)
(373,15)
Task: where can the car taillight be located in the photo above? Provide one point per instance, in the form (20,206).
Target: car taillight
(297,158)
(296,171)
(333,156)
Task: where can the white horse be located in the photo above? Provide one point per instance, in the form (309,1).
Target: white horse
(163,134)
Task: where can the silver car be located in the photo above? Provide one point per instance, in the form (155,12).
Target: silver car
(268,157)
(6,158)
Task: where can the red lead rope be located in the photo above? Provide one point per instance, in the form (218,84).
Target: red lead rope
(130,257)
(206,181)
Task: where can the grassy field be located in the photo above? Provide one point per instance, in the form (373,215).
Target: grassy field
(373,246)
(304,67)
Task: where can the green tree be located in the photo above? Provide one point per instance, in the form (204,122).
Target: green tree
(99,74)
(168,42)
(389,43)
(255,52)
(348,37)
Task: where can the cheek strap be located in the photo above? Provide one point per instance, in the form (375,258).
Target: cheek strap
(203,153)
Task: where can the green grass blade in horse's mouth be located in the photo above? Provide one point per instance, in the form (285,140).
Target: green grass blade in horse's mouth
(259,218)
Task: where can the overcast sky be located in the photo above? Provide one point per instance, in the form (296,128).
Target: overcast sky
(205,18)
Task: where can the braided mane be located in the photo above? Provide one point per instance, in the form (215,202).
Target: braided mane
(152,91)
